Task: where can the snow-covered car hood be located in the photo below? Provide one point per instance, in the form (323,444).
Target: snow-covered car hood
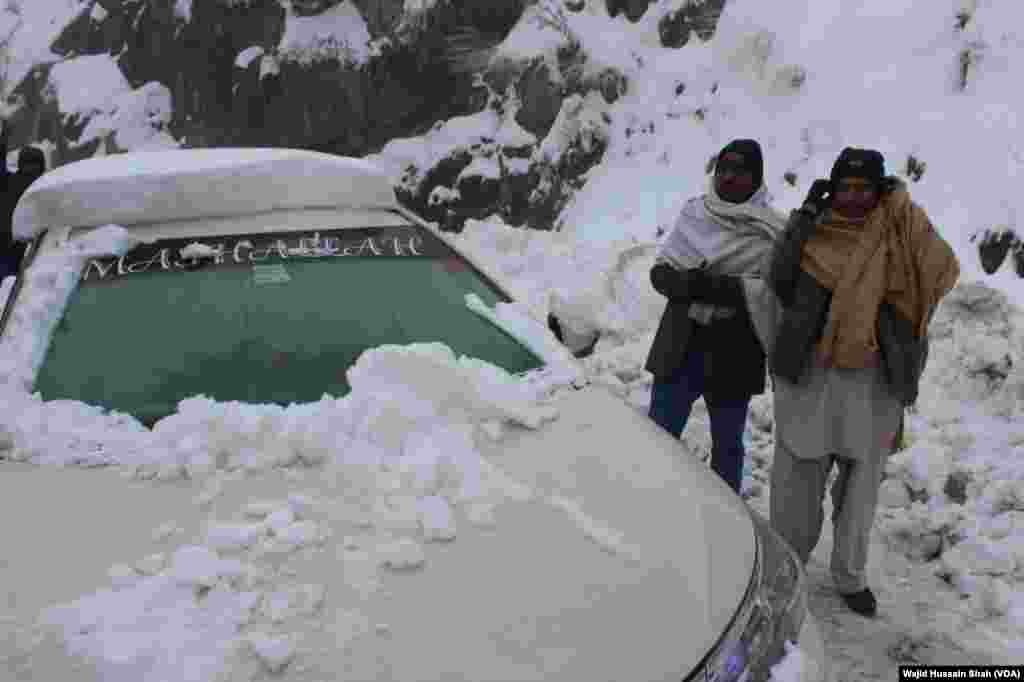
(624,558)
(627,563)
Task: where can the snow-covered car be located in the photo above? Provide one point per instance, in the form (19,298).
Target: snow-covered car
(268,278)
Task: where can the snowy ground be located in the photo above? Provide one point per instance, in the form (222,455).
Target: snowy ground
(948,551)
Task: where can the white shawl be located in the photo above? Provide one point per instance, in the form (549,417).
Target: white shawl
(730,239)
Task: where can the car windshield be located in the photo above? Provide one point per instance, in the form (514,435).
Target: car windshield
(263,318)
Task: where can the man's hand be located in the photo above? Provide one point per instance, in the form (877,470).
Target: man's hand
(671,283)
(816,200)
(994,247)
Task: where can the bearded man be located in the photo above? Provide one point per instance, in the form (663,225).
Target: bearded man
(859,273)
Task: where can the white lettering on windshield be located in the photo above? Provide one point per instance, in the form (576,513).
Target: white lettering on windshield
(361,248)
(245,251)
(245,243)
(277,245)
(101,269)
(411,245)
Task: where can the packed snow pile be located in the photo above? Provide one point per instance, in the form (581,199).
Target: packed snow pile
(410,385)
(955,496)
(48,287)
(396,460)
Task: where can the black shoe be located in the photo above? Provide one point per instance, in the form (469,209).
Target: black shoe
(862,602)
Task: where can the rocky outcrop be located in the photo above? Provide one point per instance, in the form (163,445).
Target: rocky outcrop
(251,73)
(632,9)
(541,94)
(523,178)
(324,101)
(676,27)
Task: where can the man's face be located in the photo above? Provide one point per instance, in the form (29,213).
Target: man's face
(733,182)
(854,197)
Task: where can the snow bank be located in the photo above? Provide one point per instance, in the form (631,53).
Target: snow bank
(600,288)
(795,666)
(48,286)
(204,436)
(399,461)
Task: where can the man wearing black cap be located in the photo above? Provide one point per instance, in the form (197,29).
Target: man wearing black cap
(712,269)
(859,272)
(31,164)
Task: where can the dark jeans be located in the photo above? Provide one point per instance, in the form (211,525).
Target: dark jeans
(8,265)
(671,402)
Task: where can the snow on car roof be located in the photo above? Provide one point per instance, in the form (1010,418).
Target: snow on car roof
(181,184)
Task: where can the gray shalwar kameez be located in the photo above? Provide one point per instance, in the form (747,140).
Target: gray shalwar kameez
(843,416)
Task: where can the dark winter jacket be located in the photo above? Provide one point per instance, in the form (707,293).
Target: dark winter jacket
(734,361)
(805,305)
(12,186)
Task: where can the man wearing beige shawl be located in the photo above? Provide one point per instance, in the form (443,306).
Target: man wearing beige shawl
(859,272)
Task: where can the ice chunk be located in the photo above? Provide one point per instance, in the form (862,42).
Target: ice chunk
(122,576)
(436,519)
(276,606)
(152,564)
(275,653)
(165,531)
(303,506)
(493,429)
(261,509)
(195,565)
(280,519)
(311,599)
(300,534)
(481,514)
(403,554)
(893,493)
(234,536)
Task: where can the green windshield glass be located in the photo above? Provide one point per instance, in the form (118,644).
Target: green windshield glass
(262,324)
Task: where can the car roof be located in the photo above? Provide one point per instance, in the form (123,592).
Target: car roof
(183,184)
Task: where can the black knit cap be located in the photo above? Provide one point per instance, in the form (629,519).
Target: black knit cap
(858,163)
(745,155)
